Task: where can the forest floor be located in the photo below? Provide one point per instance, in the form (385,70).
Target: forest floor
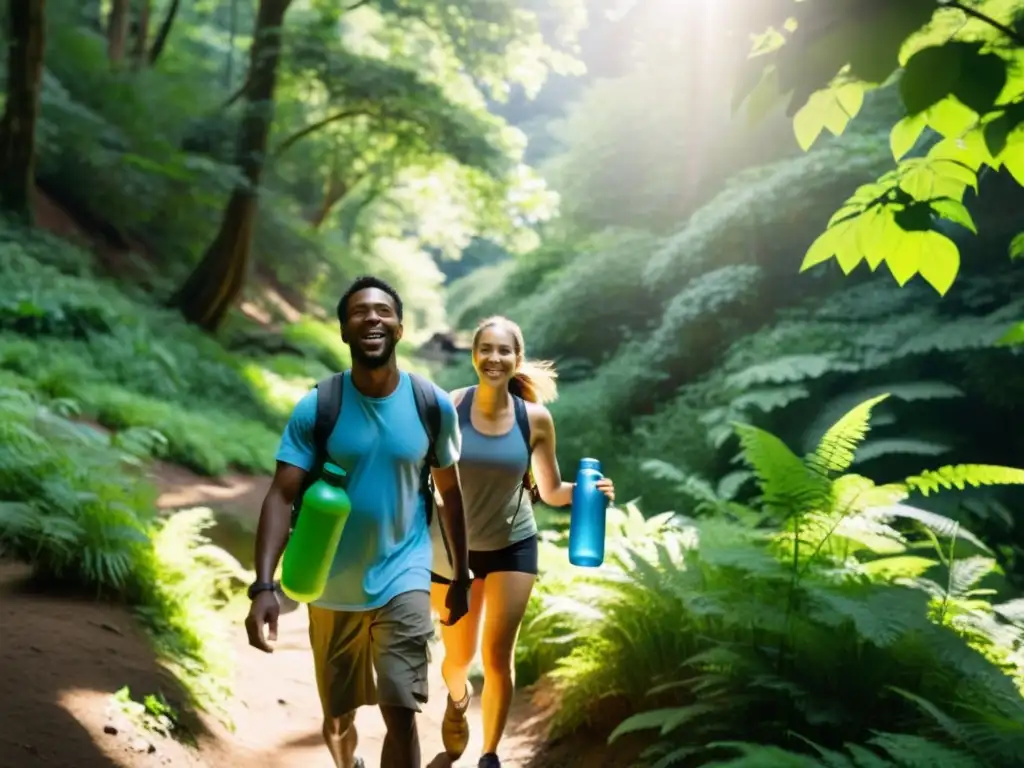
(62,656)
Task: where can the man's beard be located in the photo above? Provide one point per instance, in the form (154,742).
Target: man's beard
(377,360)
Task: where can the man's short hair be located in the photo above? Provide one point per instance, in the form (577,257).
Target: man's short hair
(361,284)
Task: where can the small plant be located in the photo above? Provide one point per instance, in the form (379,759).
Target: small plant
(74,504)
(153,713)
(828,623)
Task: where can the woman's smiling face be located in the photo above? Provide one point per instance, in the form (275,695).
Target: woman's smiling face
(494,356)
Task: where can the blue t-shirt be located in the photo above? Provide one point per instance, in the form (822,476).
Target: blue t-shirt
(385,549)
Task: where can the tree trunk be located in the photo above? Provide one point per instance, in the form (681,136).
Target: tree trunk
(164,32)
(140,40)
(117,30)
(217,281)
(27,35)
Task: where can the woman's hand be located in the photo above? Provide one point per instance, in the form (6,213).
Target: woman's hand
(607,487)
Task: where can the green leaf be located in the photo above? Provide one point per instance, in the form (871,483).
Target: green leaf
(764,96)
(881,34)
(834,240)
(951,118)
(940,261)
(905,134)
(929,178)
(997,131)
(1013,337)
(904,263)
(830,108)
(1017,246)
(982,78)
(837,447)
(929,76)
(955,211)
(878,235)
(1012,157)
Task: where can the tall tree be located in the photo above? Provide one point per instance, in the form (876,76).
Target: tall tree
(212,288)
(140,36)
(117,29)
(165,31)
(375,114)
(27,35)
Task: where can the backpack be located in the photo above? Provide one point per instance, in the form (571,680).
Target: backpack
(328,408)
(523,421)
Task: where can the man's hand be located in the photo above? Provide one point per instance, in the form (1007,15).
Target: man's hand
(457,600)
(264,610)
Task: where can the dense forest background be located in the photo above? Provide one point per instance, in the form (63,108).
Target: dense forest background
(188,185)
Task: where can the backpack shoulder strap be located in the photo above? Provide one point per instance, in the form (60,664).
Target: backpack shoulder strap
(464,409)
(429,411)
(523,420)
(328,408)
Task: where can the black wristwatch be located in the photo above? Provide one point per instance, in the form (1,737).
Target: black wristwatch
(260,586)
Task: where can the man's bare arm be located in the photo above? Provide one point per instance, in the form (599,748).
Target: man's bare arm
(275,519)
(453,517)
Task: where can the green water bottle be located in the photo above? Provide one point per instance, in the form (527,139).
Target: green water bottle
(314,540)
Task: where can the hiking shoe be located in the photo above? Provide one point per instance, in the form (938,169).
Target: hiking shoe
(490,760)
(454,727)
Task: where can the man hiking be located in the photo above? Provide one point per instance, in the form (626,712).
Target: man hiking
(391,430)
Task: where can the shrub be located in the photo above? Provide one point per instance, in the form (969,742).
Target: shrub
(73,503)
(830,624)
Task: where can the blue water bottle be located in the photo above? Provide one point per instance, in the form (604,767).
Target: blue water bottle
(587,521)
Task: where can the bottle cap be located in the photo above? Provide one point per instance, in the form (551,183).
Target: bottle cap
(333,470)
(590,464)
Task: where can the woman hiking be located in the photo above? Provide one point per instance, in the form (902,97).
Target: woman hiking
(506,431)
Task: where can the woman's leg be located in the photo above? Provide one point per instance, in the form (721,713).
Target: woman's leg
(506,594)
(460,641)
(460,644)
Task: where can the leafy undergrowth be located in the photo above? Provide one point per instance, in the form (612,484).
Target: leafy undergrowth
(828,624)
(65,334)
(75,505)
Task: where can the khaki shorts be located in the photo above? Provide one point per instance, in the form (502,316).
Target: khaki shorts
(393,641)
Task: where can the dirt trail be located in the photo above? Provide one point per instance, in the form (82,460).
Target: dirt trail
(61,657)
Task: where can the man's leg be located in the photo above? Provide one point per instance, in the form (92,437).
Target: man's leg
(344,676)
(400,634)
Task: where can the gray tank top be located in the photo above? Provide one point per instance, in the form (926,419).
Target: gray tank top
(491,468)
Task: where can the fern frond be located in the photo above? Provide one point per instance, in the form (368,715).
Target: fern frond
(897,446)
(967,572)
(962,475)
(940,525)
(837,447)
(762,755)
(1012,610)
(789,369)
(909,751)
(666,720)
(788,485)
(996,743)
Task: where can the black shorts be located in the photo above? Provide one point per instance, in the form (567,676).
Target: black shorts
(520,557)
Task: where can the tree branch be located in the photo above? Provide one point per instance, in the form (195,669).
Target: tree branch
(976,14)
(360,4)
(302,133)
(164,33)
